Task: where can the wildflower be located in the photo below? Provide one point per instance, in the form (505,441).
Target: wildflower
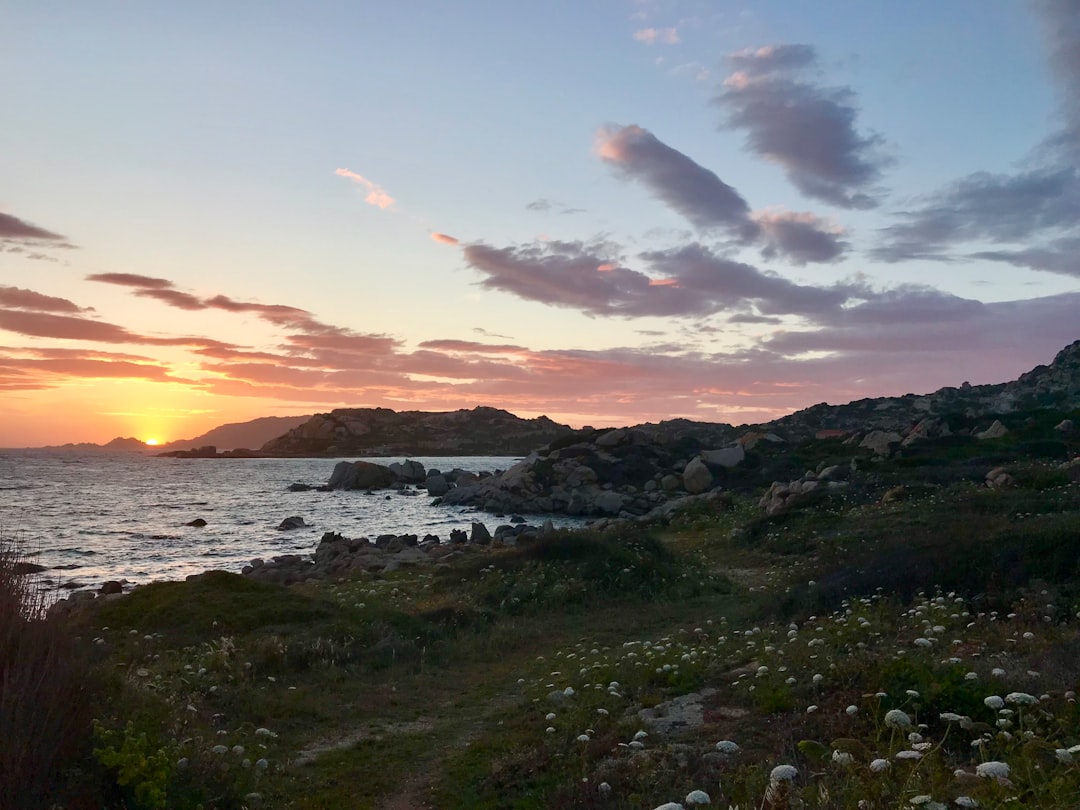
(550,716)
(811,709)
(583,738)
(695,797)
(997,672)
(641,735)
(992,769)
(994,702)
(842,758)
(727,747)
(879,765)
(852,710)
(951,717)
(909,755)
(895,718)
(604,789)
(923,642)
(1021,699)
(783,773)
(1063,756)
(965,801)
(262,764)
(550,729)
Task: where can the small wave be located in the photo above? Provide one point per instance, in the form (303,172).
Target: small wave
(86,552)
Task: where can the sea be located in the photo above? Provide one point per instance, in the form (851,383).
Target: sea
(93,517)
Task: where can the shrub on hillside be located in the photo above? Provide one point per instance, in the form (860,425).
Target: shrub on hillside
(44,698)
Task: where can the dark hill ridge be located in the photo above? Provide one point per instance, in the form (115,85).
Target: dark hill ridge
(381,431)
(253,433)
(649,469)
(1054,386)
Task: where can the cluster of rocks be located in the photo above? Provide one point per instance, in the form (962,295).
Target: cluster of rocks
(337,556)
(110,590)
(780,496)
(627,473)
(400,475)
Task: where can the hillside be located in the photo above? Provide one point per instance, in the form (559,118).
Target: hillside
(251,434)
(381,432)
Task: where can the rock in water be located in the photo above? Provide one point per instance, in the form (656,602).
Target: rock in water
(361,475)
(437,485)
(293,522)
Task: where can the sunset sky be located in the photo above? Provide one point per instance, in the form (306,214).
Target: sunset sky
(608,212)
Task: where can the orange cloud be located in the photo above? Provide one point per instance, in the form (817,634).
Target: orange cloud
(444,238)
(376,195)
(663,282)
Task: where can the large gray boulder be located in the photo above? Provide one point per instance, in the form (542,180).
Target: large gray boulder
(437,485)
(409,471)
(361,475)
(609,502)
(696,477)
(880,441)
(995,431)
(480,534)
(724,457)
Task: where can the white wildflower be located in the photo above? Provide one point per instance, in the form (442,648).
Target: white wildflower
(1021,699)
(727,747)
(992,769)
(842,758)
(895,718)
(696,797)
(879,765)
(783,773)
(994,702)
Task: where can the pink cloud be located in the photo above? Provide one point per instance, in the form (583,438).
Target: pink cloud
(444,238)
(650,36)
(19,298)
(376,195)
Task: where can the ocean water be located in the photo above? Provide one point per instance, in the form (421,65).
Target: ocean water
(89,518)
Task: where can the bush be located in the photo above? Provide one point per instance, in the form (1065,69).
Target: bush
(45,695)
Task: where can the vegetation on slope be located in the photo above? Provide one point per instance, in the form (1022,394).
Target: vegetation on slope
(909,640)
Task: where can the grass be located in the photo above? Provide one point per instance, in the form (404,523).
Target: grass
(515,678)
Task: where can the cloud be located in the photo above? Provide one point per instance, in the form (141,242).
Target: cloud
(650,36)
(444,238)
(65,327)
(800,237)
(687,187)
(682,282)
(999,208)
(19,298)
(709,203)
(1058,256)
(12,227)
(132,280)
(808,129)
(1039,202)
(376,195)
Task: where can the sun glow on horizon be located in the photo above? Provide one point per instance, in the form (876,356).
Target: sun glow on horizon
(151,442)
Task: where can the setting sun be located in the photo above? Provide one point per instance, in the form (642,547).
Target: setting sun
(152,442)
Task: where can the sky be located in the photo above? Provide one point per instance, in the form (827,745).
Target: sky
(608,212)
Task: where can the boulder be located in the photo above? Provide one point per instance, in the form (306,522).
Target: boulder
(696,476)
(995,431)
(480,534)
(409,471)
(23,568)
(198,523)
(300,487)
(1064,426)
(670,483)
(361,475)
(725,457)
(292,522)
(110,587)
(879,441)
(437,485)
(458,536)
(609,502)
(613,438)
